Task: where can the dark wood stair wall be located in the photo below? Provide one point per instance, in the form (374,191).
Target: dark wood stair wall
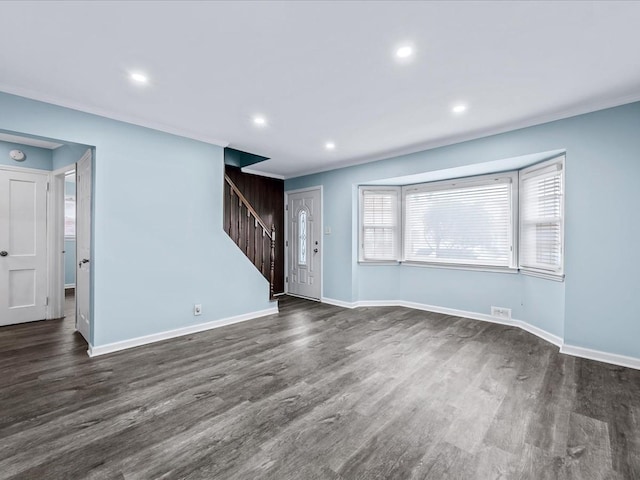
(266,196)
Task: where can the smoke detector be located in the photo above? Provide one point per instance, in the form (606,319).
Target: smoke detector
(17,155)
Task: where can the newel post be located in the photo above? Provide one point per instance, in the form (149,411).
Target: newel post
(273,259)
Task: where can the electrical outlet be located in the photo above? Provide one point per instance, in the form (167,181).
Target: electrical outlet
(501,312)
(197,309)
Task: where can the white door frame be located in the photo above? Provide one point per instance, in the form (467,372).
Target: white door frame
(286,236)
(55,218)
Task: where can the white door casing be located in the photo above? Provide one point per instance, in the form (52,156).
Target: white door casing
(23,246)
(83,245)
(304,243)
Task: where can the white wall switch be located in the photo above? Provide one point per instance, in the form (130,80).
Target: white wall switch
(197,309)
(327,230)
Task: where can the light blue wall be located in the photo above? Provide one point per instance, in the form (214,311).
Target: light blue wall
(40,158)
(158,241)
(594,307)
(68,155)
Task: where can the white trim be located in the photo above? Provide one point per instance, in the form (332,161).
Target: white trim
(599,356)
(302,296)
(25,169)
(338,303)
(538,332)
(459,313)
(305,189)
(398,227)
(552,165)
(453,266)
(251,171)
(178,332)
(69,285)
(66,169)
(549,337)
(286,236)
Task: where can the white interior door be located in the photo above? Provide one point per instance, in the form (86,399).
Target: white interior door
(83,245)
(304,254)
(23,246)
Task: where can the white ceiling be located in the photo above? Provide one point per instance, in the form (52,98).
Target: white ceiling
(324,71)
(33,142)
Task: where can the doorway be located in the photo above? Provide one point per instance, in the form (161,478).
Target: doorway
(45,224)
(71,244)
(304,242)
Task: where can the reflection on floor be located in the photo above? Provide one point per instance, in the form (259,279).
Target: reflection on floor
(70,306)
(316,392)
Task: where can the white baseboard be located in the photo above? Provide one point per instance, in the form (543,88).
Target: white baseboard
(459,313)
(600,356)
(538,332)
(543,334)
(178,332)
(430,308)
(69,285)
(338,303)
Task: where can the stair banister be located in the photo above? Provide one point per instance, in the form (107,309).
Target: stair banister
(270,233)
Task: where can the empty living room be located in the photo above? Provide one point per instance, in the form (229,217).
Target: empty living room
(309,240)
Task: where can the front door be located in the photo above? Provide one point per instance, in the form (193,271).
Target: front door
(83,245)
(23,246)
(304,245)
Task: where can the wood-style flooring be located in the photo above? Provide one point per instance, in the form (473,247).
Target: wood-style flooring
(316,392)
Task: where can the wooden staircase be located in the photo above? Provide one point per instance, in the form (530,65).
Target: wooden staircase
(252,235)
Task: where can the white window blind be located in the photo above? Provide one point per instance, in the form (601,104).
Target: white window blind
(541,217)
(468,222)
(379,223)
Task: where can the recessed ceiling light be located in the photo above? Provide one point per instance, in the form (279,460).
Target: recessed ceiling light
(139,78)
(330,146)
(259,120)
(459,108)
(404,52)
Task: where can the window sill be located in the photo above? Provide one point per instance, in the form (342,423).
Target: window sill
(531,273)
(373,263)
(477,268)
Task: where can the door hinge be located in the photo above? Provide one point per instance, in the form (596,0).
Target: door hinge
(286,279)
(286,207)
(286,243)
(46,301)
(47,186)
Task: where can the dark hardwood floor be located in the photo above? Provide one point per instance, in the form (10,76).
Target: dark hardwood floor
(316,392)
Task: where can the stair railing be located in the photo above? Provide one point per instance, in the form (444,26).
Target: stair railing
(251,236)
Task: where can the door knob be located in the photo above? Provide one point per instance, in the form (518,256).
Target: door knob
(3,253)
(83,261)
(315,250)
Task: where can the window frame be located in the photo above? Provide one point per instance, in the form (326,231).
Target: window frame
(559,274)
(398,227)
(510,177)
(516,176)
